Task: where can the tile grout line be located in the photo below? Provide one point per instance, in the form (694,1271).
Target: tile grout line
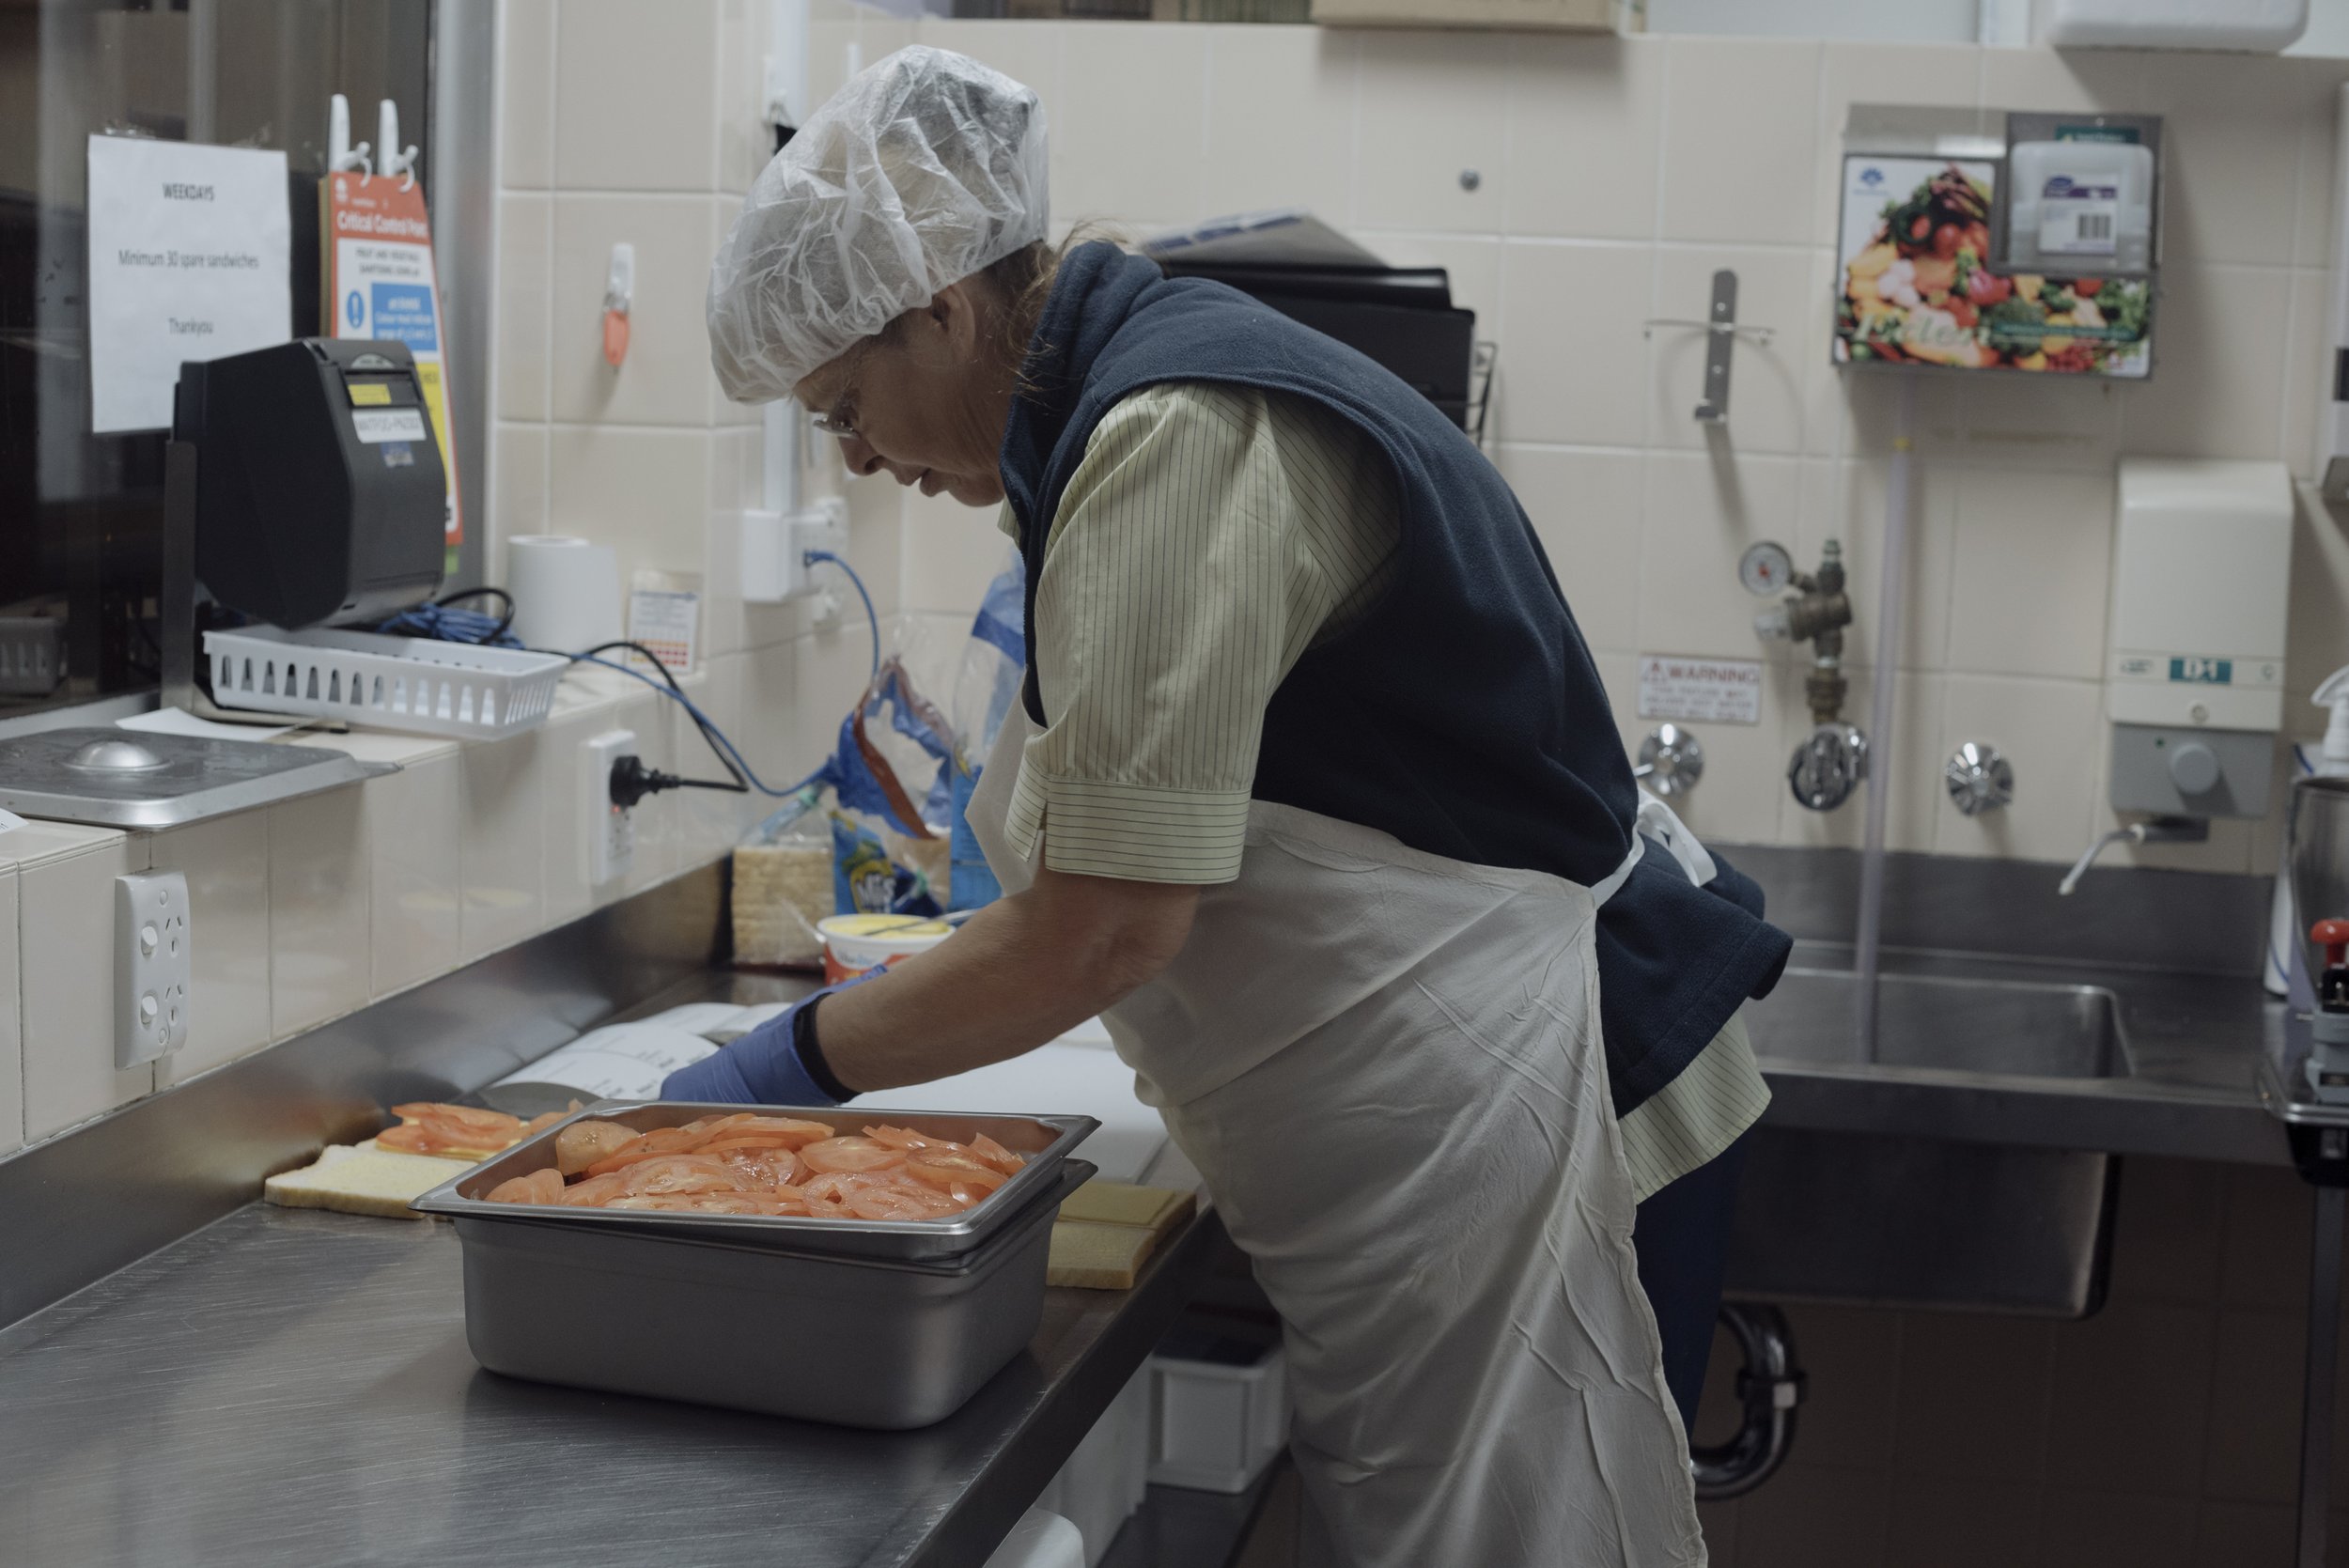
(1666,72)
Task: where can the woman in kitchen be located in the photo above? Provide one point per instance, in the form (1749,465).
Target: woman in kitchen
(1315,797)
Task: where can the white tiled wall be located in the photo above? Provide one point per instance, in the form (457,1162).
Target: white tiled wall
(415,880)
(621,122)
(227,863)
(309,909)
(12,1019)
(65,879)
(1613,176)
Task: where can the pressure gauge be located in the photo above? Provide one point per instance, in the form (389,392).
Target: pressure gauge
(1766,570)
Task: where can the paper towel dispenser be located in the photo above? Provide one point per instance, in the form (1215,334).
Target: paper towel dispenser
(318,494)
(2194,675)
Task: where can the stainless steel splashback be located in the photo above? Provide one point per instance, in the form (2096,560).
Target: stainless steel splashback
(81,1205)
(2180,922)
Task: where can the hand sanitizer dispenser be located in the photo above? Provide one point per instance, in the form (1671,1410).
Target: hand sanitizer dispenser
(2201,567)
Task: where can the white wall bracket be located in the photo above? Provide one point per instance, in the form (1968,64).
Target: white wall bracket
(775,547)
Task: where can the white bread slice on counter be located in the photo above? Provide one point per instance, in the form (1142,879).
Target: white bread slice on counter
(363,1180)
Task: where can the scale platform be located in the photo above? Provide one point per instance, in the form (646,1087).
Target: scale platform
(144,780)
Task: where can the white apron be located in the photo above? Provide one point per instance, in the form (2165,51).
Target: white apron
(1386,1066)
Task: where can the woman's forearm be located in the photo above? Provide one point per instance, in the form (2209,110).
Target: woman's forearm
(1021,972)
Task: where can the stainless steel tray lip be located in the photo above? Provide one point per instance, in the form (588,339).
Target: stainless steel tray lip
(986,1257)
(911,1241)
(977,1259)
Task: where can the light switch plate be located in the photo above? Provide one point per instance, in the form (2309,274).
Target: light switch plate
(153,964)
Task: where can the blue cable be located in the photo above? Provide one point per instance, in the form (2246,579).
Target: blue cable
(814,556)
(710,727)
(447,623)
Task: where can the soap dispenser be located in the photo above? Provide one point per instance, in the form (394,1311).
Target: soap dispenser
(2194,672)
(2332,762)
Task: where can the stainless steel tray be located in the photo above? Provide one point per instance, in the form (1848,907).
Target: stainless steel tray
(857,1342)
(1045,1140)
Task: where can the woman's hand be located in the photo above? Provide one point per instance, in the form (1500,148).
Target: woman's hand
(1021,972)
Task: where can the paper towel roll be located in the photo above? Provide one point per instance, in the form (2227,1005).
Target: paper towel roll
(567,592)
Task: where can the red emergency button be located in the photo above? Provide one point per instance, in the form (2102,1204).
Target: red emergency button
(2333,937)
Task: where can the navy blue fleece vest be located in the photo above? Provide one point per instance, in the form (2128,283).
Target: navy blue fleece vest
(1463,714)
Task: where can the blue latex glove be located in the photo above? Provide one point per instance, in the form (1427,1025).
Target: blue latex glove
(763,1067)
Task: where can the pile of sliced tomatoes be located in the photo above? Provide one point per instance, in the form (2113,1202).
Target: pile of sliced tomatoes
(749,1163)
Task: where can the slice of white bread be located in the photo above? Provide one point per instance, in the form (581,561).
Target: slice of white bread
(1098,1257)
(1107,1230)
(363,1180)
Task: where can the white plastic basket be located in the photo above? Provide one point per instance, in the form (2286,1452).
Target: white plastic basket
(1216,1424)
(397,683)
(32,655)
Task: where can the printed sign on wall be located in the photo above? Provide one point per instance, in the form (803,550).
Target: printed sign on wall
(379,284)
(1701,691)
(189,259)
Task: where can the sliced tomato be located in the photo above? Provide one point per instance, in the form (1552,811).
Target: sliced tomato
(994,1154)
(943,1171)
(666,1175)
(850,1154)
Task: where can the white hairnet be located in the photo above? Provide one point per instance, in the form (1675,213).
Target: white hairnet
(927,167)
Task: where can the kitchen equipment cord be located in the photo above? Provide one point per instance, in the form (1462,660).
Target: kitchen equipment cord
(444,621)
(813,556)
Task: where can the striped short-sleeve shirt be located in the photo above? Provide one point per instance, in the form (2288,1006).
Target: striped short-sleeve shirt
(1210,536)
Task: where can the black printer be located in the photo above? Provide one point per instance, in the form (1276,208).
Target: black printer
(319,496)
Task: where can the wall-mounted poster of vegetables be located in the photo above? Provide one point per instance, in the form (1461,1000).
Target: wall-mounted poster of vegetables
(1915,285)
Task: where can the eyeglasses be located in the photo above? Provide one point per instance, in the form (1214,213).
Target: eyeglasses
(840,419)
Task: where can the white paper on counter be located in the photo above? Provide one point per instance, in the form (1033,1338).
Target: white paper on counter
(178,720)
(1051,1080)
(189,259)
(711,1020)
(9,820)
(622,1062)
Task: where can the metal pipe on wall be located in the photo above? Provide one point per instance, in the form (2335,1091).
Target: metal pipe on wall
(1891,596)
(460,177)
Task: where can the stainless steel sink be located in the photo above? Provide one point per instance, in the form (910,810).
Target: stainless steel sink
(2006,1027)
(1926,1221)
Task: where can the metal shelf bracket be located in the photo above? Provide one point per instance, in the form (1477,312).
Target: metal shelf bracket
(1721,326)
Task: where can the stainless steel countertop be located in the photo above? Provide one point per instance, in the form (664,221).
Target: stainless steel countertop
(2194,1041)
(293,1387)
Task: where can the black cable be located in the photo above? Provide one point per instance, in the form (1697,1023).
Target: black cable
(463,594)
(739,786)
(631,781)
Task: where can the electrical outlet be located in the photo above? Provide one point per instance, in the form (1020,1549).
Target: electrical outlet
(610,831)
(153,964)
(823,525)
